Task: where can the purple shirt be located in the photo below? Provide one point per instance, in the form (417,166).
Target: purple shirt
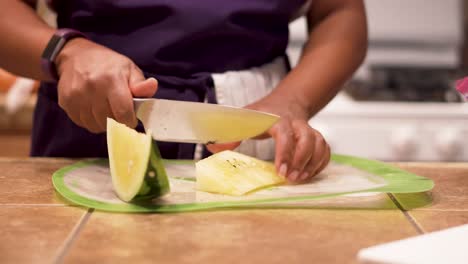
(180,39)
(180,42)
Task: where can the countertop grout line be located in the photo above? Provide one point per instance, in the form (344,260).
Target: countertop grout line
(67,244)
(409,217)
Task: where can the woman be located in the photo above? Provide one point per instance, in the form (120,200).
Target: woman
(230,52)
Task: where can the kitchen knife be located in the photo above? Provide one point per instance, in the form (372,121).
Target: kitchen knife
(191,122)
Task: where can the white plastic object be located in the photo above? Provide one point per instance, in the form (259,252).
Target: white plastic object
(445,246)
(449,144)
(404,142)
(18,94)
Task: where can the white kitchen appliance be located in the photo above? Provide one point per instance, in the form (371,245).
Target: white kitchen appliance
(401,104)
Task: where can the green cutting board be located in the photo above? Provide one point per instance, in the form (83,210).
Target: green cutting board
(88,183)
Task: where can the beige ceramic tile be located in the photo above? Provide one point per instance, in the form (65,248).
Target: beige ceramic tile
(451,185)
(239,236)
(431,221)
(35,234)
(29,181)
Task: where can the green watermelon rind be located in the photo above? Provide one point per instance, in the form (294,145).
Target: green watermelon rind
(156,183)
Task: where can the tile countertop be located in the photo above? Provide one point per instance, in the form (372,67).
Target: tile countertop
(37,226)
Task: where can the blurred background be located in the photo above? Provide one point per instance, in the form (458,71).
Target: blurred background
(401,105)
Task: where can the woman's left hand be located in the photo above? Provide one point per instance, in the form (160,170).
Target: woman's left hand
(301,152)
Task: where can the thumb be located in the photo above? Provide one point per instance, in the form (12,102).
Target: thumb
(146,88)
(141,87)
(214,148)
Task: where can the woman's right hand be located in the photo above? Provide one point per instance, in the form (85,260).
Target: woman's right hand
(96,83)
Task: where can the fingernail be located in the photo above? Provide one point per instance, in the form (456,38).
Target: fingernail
(151,78)
(304,175)
(293,176)
(283,170)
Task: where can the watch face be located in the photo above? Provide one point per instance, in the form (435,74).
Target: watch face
(52,49)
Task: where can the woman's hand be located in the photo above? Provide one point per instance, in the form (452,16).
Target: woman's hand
(301,152)
(96,83)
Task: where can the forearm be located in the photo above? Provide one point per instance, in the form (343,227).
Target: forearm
(336,46)
(24,37)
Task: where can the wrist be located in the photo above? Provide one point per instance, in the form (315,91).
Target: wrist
(283,105)
(70,50)
(54,48)
(290,105)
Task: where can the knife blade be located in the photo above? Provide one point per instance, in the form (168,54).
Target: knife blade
(192,122)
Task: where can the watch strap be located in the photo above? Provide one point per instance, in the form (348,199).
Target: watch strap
(53,48)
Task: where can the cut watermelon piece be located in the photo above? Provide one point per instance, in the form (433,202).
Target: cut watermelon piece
(135,163)
(233,173)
